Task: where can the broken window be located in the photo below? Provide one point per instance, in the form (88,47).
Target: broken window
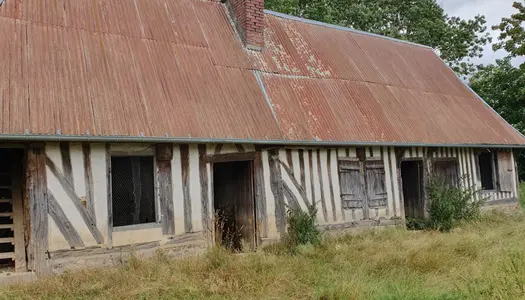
(133,195)
(486,170)
(362,181)
(446,170)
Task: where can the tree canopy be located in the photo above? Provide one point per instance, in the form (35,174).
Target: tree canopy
(512,33)
(456,40)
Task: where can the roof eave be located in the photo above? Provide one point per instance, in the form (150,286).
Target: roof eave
(190,140)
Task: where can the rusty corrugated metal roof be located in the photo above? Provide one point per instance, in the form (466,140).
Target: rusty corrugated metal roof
(163,68)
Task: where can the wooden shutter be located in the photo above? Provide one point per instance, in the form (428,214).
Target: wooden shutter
(505,171)
(351,181)
(375,183)
(447,171)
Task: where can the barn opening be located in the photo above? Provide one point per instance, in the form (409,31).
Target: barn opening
(12,211)
(486,170)
(234,204)
(412,178)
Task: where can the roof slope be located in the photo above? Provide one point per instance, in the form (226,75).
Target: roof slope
(176,69)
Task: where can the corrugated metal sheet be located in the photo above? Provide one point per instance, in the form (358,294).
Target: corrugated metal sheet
(177,68)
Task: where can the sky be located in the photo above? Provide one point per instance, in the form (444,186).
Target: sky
(493,10)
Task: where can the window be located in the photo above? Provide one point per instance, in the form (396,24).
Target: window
(132,185)
(486,170)
(362,181)
(447,171)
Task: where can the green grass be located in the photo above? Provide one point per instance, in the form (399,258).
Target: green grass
(479,260)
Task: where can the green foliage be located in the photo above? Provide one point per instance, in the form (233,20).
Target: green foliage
(448,205)
(302,230)
(522,194)
(420,21)
(302,227)
(512,35)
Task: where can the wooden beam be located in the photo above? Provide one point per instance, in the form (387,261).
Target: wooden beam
(320,176)
(164,154)
(66,162)
(88,180)
(64,225)
(37,185)
(276,185)
(185,172)
(297,185)
(240,148)
(204,180)
(260,197)
(216,158)
(331,186)
(70,191)
(110,196)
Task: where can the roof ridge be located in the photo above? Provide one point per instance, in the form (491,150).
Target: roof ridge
(308,21)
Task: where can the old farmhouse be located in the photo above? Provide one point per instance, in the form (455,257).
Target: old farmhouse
(133,125)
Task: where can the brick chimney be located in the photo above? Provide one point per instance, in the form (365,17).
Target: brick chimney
(248,16)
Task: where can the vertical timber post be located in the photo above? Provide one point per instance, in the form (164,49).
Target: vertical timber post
(38,210)
(164,154)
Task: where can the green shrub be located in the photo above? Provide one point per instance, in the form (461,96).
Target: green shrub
(448,205)
(302,230)
(302,227)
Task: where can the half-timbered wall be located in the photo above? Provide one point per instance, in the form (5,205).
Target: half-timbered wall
(468,168)
(78,189)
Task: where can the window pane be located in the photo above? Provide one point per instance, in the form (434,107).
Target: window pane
(486,172)
(133,196)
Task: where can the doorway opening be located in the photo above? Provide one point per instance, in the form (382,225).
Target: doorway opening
(412,179)
(12,233)
(234,204)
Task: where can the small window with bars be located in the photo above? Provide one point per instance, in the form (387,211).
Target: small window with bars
(133,190)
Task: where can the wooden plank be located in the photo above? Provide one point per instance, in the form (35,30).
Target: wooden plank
(276,185)
(185,169)
(5,200)
(65,153)
(329,169)
(64,225)
(7,226)
(312,183)
(70,191)
(240,148)
(7,255)
(320,172)
(289,159)
(110,196)
(164,154)
(301,168)
(38,210)
(8,240)
(6,215)
(505,171)
(260,197)
(204,180)
(218,149)
(228,157)
(88,181)
(292,199)
(300,188)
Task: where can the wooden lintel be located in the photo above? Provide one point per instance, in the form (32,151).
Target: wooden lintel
(216,158)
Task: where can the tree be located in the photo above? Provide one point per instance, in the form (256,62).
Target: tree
(457,41)
(502,86)
(512,35)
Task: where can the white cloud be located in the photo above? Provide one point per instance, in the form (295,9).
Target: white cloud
(493,10)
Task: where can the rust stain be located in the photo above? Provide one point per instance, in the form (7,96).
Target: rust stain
(178,68)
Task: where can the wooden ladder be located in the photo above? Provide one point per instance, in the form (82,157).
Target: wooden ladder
(6,228)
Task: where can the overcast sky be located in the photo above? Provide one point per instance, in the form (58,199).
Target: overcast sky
(493,10)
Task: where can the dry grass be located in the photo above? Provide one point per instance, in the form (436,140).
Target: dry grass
(479,260)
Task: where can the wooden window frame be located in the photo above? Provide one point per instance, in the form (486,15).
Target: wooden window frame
(148,152)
